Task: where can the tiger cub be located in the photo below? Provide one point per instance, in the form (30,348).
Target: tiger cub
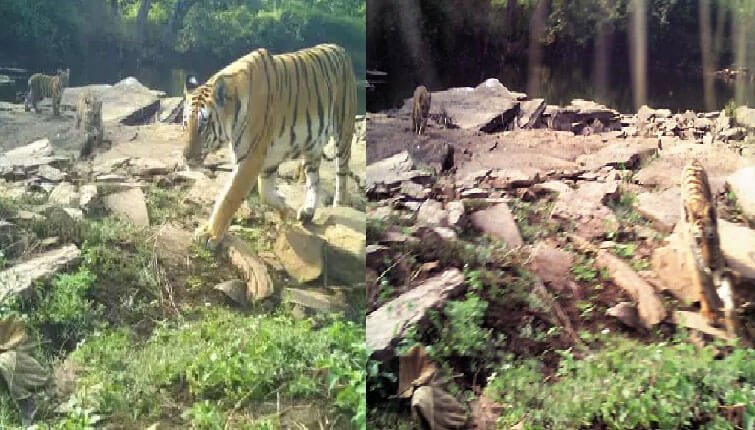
(420,110)
(709,274)
(269,109)
(41,86)
(89,109)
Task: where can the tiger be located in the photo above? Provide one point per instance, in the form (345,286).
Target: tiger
(268,109)
(710,274)
(89,109)
(420,110)
(41,86)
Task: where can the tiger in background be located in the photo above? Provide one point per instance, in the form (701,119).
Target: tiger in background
(709,271)
(89,110)
(41,86)
(269,109)
(420,110)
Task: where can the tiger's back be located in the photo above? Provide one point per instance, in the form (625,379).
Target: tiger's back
(273,108)
(709,270)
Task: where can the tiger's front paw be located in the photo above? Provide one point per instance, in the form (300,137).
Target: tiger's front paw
(208,240)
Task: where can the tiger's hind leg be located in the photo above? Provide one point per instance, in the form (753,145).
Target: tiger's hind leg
(312,188)
(56,105)
(342,172)
(269,192)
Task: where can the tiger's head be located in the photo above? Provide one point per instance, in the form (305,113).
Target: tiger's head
(230,104)
(202,111)
(64,76)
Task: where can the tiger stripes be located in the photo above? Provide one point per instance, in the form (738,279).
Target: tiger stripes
(270,109)
(41,86)
(709,271)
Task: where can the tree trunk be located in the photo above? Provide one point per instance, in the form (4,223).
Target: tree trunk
(141,17)
(178,14)
(114,7)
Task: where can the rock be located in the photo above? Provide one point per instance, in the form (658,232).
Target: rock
(127,102)
(317,299)
(498,222)
(625,312)
(413,191)
(432,154)
(64,194)
(584,207)
(455,211)
(19,279)
(75,213)
(721,124)
(745,117)
(530,113)
(50,174)
(343,231)
(376,255)
(22,159)
(742,183)
(391,171)
(149,167)
(672,265)
(235,289)
(514,178)
(738,246)
(736,133)
(111,178)
(170,108)
(580,114)
(487,108)
(415,369)
(552,266)
(474,193)
(620,155)
(438,408)
(661,208)
(445,233)
(696,321)
(707,139)
(258,283)
(649,305)
(129,205)
(387,325)
(88,194)
(431,213)
(485,413)
(301,253)
(188,176)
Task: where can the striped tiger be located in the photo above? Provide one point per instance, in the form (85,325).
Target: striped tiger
(710,274)
(420,110)
(269,109)
(190,85)
(41,86)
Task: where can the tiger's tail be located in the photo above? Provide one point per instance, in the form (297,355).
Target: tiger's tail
(345,115)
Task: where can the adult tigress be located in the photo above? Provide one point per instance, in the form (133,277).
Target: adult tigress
(41,86)
(269,109)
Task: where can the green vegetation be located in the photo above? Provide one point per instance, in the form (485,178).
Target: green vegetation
(628,385)
(145,348)
(533,219)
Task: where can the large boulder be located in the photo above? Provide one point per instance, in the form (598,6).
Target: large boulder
(128,101)
(19,279)
(498,222)
(387,325)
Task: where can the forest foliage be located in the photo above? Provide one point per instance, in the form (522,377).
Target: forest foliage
(41,32)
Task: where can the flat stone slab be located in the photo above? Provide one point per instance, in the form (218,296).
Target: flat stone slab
(487,107)
(552,265)
(129,205)
(342,230)
(498,222)
(301,253)
(584,207)
(661,208)
(621,155)
(738,246)
(20,278)
(742,182)
(119,101)
(387,325)
(258,283)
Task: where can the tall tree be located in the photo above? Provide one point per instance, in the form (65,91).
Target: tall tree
(141,17)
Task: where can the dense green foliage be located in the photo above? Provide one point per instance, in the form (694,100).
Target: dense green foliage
(43,32)
(627,385)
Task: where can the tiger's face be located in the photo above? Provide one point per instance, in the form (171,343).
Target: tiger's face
(205,133)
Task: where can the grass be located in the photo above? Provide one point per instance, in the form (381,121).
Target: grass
(143,358)
(627,385)
(625,211)
(533,219)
